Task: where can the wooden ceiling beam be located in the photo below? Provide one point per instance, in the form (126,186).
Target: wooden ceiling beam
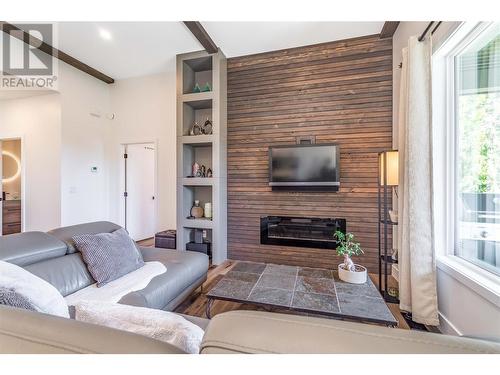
(201,34)
(389,29)
(54,52)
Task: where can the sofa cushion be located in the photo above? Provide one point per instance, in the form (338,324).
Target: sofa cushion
(67,273)
(30,247)
(184,268)
(109,256)
(66,234)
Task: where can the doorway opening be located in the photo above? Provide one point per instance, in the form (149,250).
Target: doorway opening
(139,208)
(11,186)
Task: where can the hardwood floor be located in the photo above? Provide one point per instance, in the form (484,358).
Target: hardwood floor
(195,304)
(148,242)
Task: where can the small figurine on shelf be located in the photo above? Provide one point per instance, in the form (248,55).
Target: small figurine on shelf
(207,87)
(195,169)
(195,129)
(207,127)
(197,88)
(209,173)
(203,171)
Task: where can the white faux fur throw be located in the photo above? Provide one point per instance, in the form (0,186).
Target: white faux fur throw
(116,289)
(44,297)
(157,324)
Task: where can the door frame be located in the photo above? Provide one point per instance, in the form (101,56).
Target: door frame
(23,180)
(121,177)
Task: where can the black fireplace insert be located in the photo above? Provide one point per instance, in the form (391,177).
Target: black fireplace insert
(300,231)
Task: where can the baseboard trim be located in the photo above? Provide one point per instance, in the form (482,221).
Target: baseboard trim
(446,327)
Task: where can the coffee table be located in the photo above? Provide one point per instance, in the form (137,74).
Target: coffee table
(302,289)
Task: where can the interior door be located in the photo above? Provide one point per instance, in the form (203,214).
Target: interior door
(140,190)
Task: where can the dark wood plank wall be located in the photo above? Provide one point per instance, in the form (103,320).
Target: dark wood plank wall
(338,92)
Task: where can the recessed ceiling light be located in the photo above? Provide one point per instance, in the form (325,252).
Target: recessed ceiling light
(105,34)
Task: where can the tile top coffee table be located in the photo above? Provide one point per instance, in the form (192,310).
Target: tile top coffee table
(309,290)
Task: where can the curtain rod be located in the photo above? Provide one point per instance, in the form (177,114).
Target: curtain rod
(422,36)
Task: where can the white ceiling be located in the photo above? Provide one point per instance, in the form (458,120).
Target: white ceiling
(246,38)
(143,48)
(136,48)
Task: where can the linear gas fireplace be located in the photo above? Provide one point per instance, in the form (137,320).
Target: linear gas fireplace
(300,231)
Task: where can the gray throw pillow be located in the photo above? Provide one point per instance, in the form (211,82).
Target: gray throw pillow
(109,256)
(10,297)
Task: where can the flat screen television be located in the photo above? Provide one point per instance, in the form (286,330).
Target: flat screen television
(304,167)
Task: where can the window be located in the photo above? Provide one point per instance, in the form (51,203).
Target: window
(475,67)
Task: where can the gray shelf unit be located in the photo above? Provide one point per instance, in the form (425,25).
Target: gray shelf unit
(209,150)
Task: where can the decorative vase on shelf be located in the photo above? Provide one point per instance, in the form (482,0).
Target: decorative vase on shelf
(196,210)
(210,173)
(197,88)
(208,210)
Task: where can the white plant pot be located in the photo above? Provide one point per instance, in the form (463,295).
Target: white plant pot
(353,277)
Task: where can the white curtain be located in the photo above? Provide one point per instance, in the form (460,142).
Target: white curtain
(417,266)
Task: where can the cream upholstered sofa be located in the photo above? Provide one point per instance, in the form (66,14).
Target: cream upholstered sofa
(24,331)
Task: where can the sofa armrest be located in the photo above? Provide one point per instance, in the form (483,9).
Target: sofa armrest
(27,332)
(261,332)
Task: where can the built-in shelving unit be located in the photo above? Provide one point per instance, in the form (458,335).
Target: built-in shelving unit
(208,73)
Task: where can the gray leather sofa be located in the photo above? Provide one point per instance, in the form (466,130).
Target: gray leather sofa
(53,257)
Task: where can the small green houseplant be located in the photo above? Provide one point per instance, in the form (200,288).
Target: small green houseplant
(347,247)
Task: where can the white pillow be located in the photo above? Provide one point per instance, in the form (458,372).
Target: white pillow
(44,297)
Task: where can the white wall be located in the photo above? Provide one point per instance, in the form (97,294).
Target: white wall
(84,137)
(38,121)
(72,144)
(144,111)
(462,309)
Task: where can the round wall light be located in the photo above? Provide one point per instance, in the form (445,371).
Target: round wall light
(16,175)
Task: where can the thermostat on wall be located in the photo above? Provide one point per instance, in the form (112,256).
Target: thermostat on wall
(93,169)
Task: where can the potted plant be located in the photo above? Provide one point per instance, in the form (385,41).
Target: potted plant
(348,271)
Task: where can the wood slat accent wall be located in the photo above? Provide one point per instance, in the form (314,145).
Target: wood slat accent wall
(338,92)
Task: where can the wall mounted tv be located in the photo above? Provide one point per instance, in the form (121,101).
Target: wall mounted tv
(305,167)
